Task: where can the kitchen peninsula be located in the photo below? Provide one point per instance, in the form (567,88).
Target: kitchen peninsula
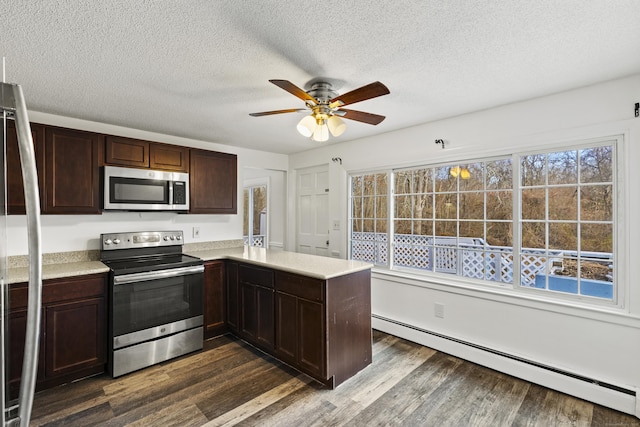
(311,312)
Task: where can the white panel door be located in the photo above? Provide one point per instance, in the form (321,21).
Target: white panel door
(313,211)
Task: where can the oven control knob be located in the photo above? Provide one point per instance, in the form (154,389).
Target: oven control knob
(166,238)
(179,237)
(107,242)
(173,237)
(116,241)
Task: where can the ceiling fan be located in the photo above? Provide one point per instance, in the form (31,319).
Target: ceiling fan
(325,107)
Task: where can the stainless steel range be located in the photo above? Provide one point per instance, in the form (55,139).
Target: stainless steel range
(155,308)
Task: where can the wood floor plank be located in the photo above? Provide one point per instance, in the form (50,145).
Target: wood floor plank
(180,414)
(257,404)
(90,416)
(408,394)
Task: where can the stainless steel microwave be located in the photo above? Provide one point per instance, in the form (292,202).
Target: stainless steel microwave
(132,189)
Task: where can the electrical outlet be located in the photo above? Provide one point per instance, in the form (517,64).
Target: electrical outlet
(196,232)
(438,309)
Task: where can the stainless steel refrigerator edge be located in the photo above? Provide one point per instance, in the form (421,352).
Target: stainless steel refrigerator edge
(12,104)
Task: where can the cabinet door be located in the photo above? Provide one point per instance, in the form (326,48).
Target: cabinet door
(168,157)
(17,333)
(311,339)
(232,296)
(72,181)
(286,344)
(121,151)
(15,187)
(265,325)
(213,182)
(214,298)
(75,336)
(256,315)
(248,311)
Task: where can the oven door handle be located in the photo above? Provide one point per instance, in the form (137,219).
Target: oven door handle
(155,275)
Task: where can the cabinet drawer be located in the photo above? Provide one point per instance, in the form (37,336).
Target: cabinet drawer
(300,286)
(72,288)
(255,276)
(18,295)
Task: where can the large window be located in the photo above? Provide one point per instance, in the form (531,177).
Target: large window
(541,220)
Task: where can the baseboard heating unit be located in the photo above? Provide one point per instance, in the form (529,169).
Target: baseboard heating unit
(591,389)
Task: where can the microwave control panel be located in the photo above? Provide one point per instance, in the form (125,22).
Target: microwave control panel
(179,193)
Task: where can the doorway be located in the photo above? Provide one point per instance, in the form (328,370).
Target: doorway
(255,222)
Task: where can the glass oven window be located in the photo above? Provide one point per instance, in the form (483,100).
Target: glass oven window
(142,305)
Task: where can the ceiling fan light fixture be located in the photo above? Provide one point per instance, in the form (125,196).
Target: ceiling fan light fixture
(306,126)
(321,134)
(336,125)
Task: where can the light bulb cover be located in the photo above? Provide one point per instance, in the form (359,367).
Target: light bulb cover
(321,134)
(336,125)
(306,126)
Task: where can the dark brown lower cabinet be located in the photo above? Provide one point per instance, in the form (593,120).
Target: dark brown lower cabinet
(214,299)
(75,337)
(256,315)
(73,330)
(300,333)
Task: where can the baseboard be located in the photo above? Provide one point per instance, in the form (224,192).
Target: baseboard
(610,395)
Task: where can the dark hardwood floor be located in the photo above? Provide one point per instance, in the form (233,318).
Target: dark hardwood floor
(231,383)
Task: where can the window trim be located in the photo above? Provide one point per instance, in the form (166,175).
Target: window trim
(619,246)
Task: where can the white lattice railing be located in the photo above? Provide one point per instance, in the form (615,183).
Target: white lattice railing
(467,257)
(255,240)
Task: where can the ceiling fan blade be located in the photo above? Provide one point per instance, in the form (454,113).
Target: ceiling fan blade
(268,113)
(361,116)
(294,90)
(369,91)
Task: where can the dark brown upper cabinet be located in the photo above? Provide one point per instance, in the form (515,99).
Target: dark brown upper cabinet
(213,182)
(126,152)
(120,151)
(71,171)
(168,157)
(15,186)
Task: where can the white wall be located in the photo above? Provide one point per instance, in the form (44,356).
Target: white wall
(62,233)
(600,343)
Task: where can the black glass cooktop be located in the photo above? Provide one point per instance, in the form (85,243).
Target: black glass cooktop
(151,263)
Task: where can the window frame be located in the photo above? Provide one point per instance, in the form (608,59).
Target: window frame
(619,282)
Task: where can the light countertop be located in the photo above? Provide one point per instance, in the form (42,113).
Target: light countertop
(55,271)
(292,262)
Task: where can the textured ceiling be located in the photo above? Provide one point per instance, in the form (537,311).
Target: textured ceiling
(197,68)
